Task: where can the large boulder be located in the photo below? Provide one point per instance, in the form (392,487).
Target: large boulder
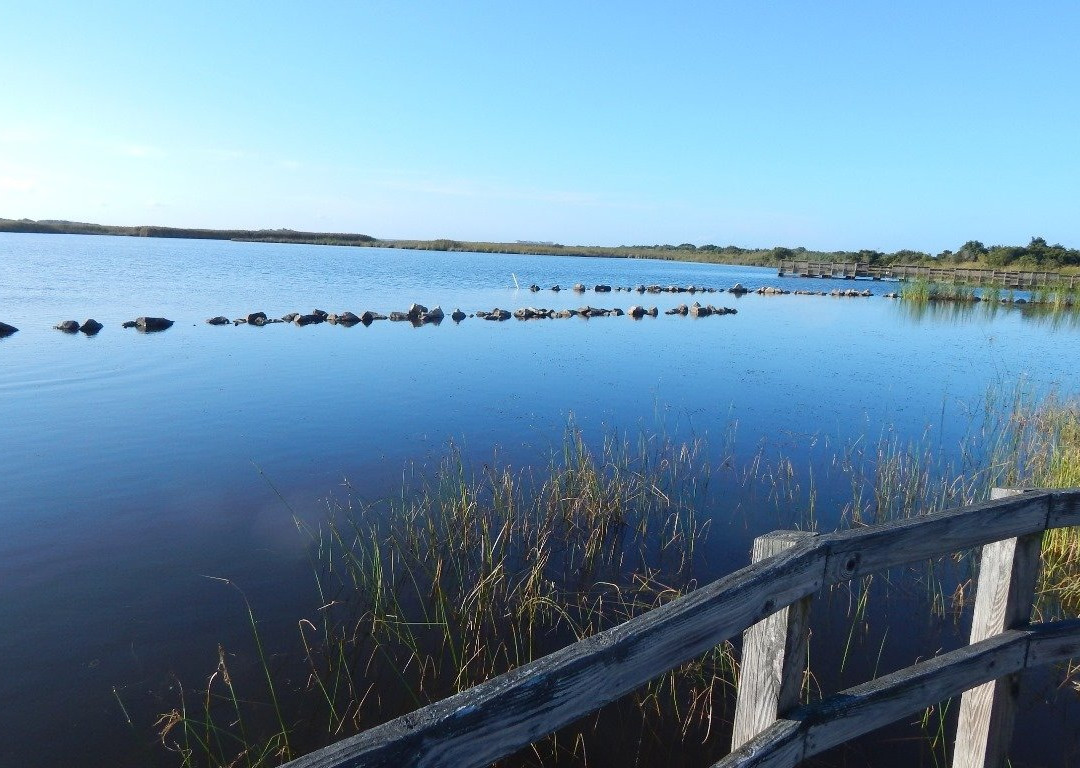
(91,327)
(636,312)
(738,289)
(602,289)
(434,315)
(149,324)
(348,319)
(219,320)
(67,326)
(696,310)
(256,318)
(6,330)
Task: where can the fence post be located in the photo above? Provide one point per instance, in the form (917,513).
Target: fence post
(773,654)
(1008,571)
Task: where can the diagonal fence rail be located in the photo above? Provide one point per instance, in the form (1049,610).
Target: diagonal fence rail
(768,600)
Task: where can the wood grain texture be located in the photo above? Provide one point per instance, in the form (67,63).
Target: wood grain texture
(855,711)
(773,653)
(1008,571)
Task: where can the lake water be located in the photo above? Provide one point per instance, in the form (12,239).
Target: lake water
(137,465)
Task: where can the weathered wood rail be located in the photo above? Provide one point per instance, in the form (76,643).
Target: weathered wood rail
(769,601)
(1018,279)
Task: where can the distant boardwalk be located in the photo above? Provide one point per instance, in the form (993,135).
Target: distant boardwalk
(852,270)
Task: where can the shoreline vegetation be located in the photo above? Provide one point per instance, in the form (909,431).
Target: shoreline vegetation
(475,570)
(1037,254)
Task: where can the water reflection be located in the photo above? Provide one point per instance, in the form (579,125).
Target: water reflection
(1053,317)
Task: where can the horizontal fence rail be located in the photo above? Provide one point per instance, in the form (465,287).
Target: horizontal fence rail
(839,718)
(500,716)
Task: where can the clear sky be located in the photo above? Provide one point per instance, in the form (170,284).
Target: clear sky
(831,125)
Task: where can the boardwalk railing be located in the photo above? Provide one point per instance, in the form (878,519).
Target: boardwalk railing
(1019,279)
(769,600)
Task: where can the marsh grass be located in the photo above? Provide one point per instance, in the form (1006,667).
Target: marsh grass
(473,570)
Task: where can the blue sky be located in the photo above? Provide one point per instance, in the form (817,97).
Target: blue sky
(829,125)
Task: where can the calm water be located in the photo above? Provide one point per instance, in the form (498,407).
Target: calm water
(137,465)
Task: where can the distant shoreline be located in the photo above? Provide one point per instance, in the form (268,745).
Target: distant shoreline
(1036,255)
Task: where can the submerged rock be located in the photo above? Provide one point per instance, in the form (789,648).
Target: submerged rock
(6,330)
(91,327)
(67,326)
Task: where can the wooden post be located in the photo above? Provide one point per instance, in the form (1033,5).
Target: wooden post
(773,654)
(1008,571)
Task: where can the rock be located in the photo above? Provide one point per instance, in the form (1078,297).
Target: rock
(639,288)
(151,324)
(240,321)
(696,310)
(579,288)
(312,319)
(67,326)
(556,288)
(368,317)
(636,312)
(534,287)
(257,318)
(457,315)
(616,312)
(653,289)
(6,330)
(652,312)
(436,315)
(529,313)
(287,318)
(219,320)
(320,313)
(129,324)
(416,312)
(563,313)
(738,289)
(91,327)
(495,314)
(397,317)
(348,319)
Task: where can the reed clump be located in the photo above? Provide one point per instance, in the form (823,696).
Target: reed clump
(473,572)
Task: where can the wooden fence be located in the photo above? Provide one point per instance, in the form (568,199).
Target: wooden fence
(769,600)
(1018,279)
